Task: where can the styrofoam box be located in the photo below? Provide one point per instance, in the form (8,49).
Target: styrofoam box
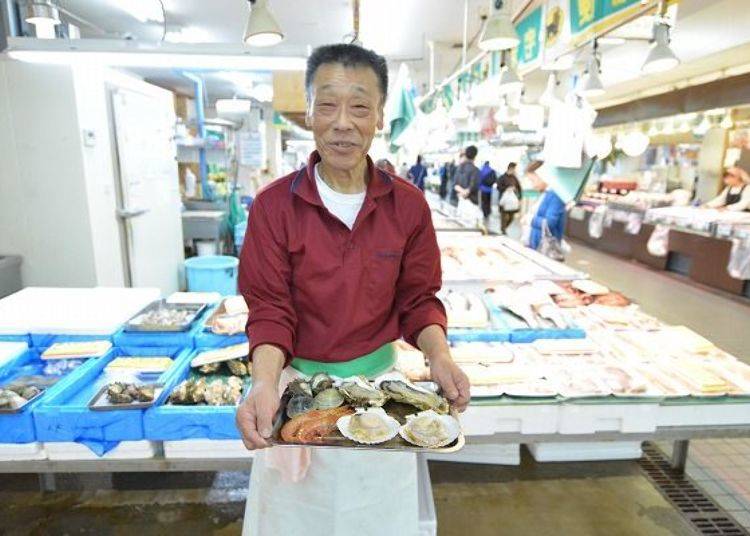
(11,350)
(206,448)
(592,418)
(494,454)
(16,452)
(126,450)
(704,414)
(427,516)
(585,451)
(521,418)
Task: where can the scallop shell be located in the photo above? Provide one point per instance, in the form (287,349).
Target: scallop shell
(429,429)
(390,426)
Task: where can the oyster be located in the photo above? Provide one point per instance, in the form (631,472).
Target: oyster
(237,367)
(298,405)
(300,387)
(10,400)
(314,426)
(209,368)
(196,392)
(359,392)
(25,391)
(217,393)
(371,426)
(120,393)
(430,430)
(180,393)
(328,398)
(408,393)
(320,382)
(146,393)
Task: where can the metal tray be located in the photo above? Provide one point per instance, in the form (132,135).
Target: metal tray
(194,308)
(6,411)
(100,403)
(396,410)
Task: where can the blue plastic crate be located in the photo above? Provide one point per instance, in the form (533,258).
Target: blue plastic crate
(207,339)
(478,335)
(66,416)
(19,427)
(160,339)
(45,340)
(166,422)
(16,338)
(530,335)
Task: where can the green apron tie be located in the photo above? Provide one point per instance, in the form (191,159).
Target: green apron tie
(370,365)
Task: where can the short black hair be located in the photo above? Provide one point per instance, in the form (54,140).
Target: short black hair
(348,56)
(419,159)
(471,152)
(511,165)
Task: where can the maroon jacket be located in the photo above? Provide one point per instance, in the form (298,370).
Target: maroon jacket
(319,291)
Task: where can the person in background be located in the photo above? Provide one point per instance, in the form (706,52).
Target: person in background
(386,165)
(467,177)
(452,191)
(487,179)
(418,173)
(736,196)
(446,174)
(508,180)
(551,211)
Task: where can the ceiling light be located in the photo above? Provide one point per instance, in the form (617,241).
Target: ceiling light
(509,80)
(660,57)
(726,122)
(591,84)
(635,143)
(499,33)
(143,10)
(233,107)
(548,97)
(262,30)
(42,12)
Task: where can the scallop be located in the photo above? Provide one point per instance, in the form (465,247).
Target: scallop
(430,430)
(368,426)
(328,398)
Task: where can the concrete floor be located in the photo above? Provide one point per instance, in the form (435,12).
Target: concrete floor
(598,498)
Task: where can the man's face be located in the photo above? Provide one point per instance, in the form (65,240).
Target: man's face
(345,110)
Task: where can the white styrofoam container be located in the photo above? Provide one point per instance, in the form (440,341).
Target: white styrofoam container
(592,418)
(12,452)
(126,450)
(206,448)
(704,414)
(493,454)
(585,451)
(427,515)
(9,350)
(520,418)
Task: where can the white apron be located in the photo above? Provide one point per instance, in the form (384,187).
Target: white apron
(344,492)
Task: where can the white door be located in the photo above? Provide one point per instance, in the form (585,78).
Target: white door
(150,197)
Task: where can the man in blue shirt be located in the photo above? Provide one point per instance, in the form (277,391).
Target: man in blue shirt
(418,173)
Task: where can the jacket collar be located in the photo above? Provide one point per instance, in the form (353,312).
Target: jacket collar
(303,184)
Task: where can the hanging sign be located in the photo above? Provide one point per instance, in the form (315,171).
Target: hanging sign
(589,18)
(556,36)
(529,29)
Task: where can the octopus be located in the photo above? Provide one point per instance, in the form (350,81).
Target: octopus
(313,426)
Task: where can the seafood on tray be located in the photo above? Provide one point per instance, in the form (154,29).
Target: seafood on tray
(359,392)
(314,426)
(219,391)
(15,395)
(530,304)
(402,390)
(368,426)
(230,317)
(430,430)
(464,309)
(127,393)
(583,293)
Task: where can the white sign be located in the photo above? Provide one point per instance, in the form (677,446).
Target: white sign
(251,149)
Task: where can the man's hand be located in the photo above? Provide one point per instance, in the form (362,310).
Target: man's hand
(448,375)
(255,414)
(452,380)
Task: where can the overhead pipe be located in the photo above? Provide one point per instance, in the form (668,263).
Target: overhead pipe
(200,118)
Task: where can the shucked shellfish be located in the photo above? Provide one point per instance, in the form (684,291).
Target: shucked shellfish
(430,430)
(368,426)
(358,392)
(408,393)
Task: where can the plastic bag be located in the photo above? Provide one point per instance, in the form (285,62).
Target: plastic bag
(597,221)
(509,202)
(550,246)
(658,244)
(739,259)
(634,223)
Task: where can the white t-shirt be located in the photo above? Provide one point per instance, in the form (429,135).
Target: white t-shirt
(741,205)
(344,206)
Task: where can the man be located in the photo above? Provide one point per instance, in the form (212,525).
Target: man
(508,207)
(487,179)
(418,173)
(341,260)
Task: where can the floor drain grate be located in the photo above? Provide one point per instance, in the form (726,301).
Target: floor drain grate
(704,514)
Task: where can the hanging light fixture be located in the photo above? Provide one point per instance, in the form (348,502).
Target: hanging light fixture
(509,80)
(726,122)
(548,96)
(262,30)
(499,32)
(653,130)
(591,83)
(660,57)
(44,15)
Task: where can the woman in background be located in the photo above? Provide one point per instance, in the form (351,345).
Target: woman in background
(736,196)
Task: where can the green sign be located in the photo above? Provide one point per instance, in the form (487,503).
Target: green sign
(530,32)
(606,8)
(585,13)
